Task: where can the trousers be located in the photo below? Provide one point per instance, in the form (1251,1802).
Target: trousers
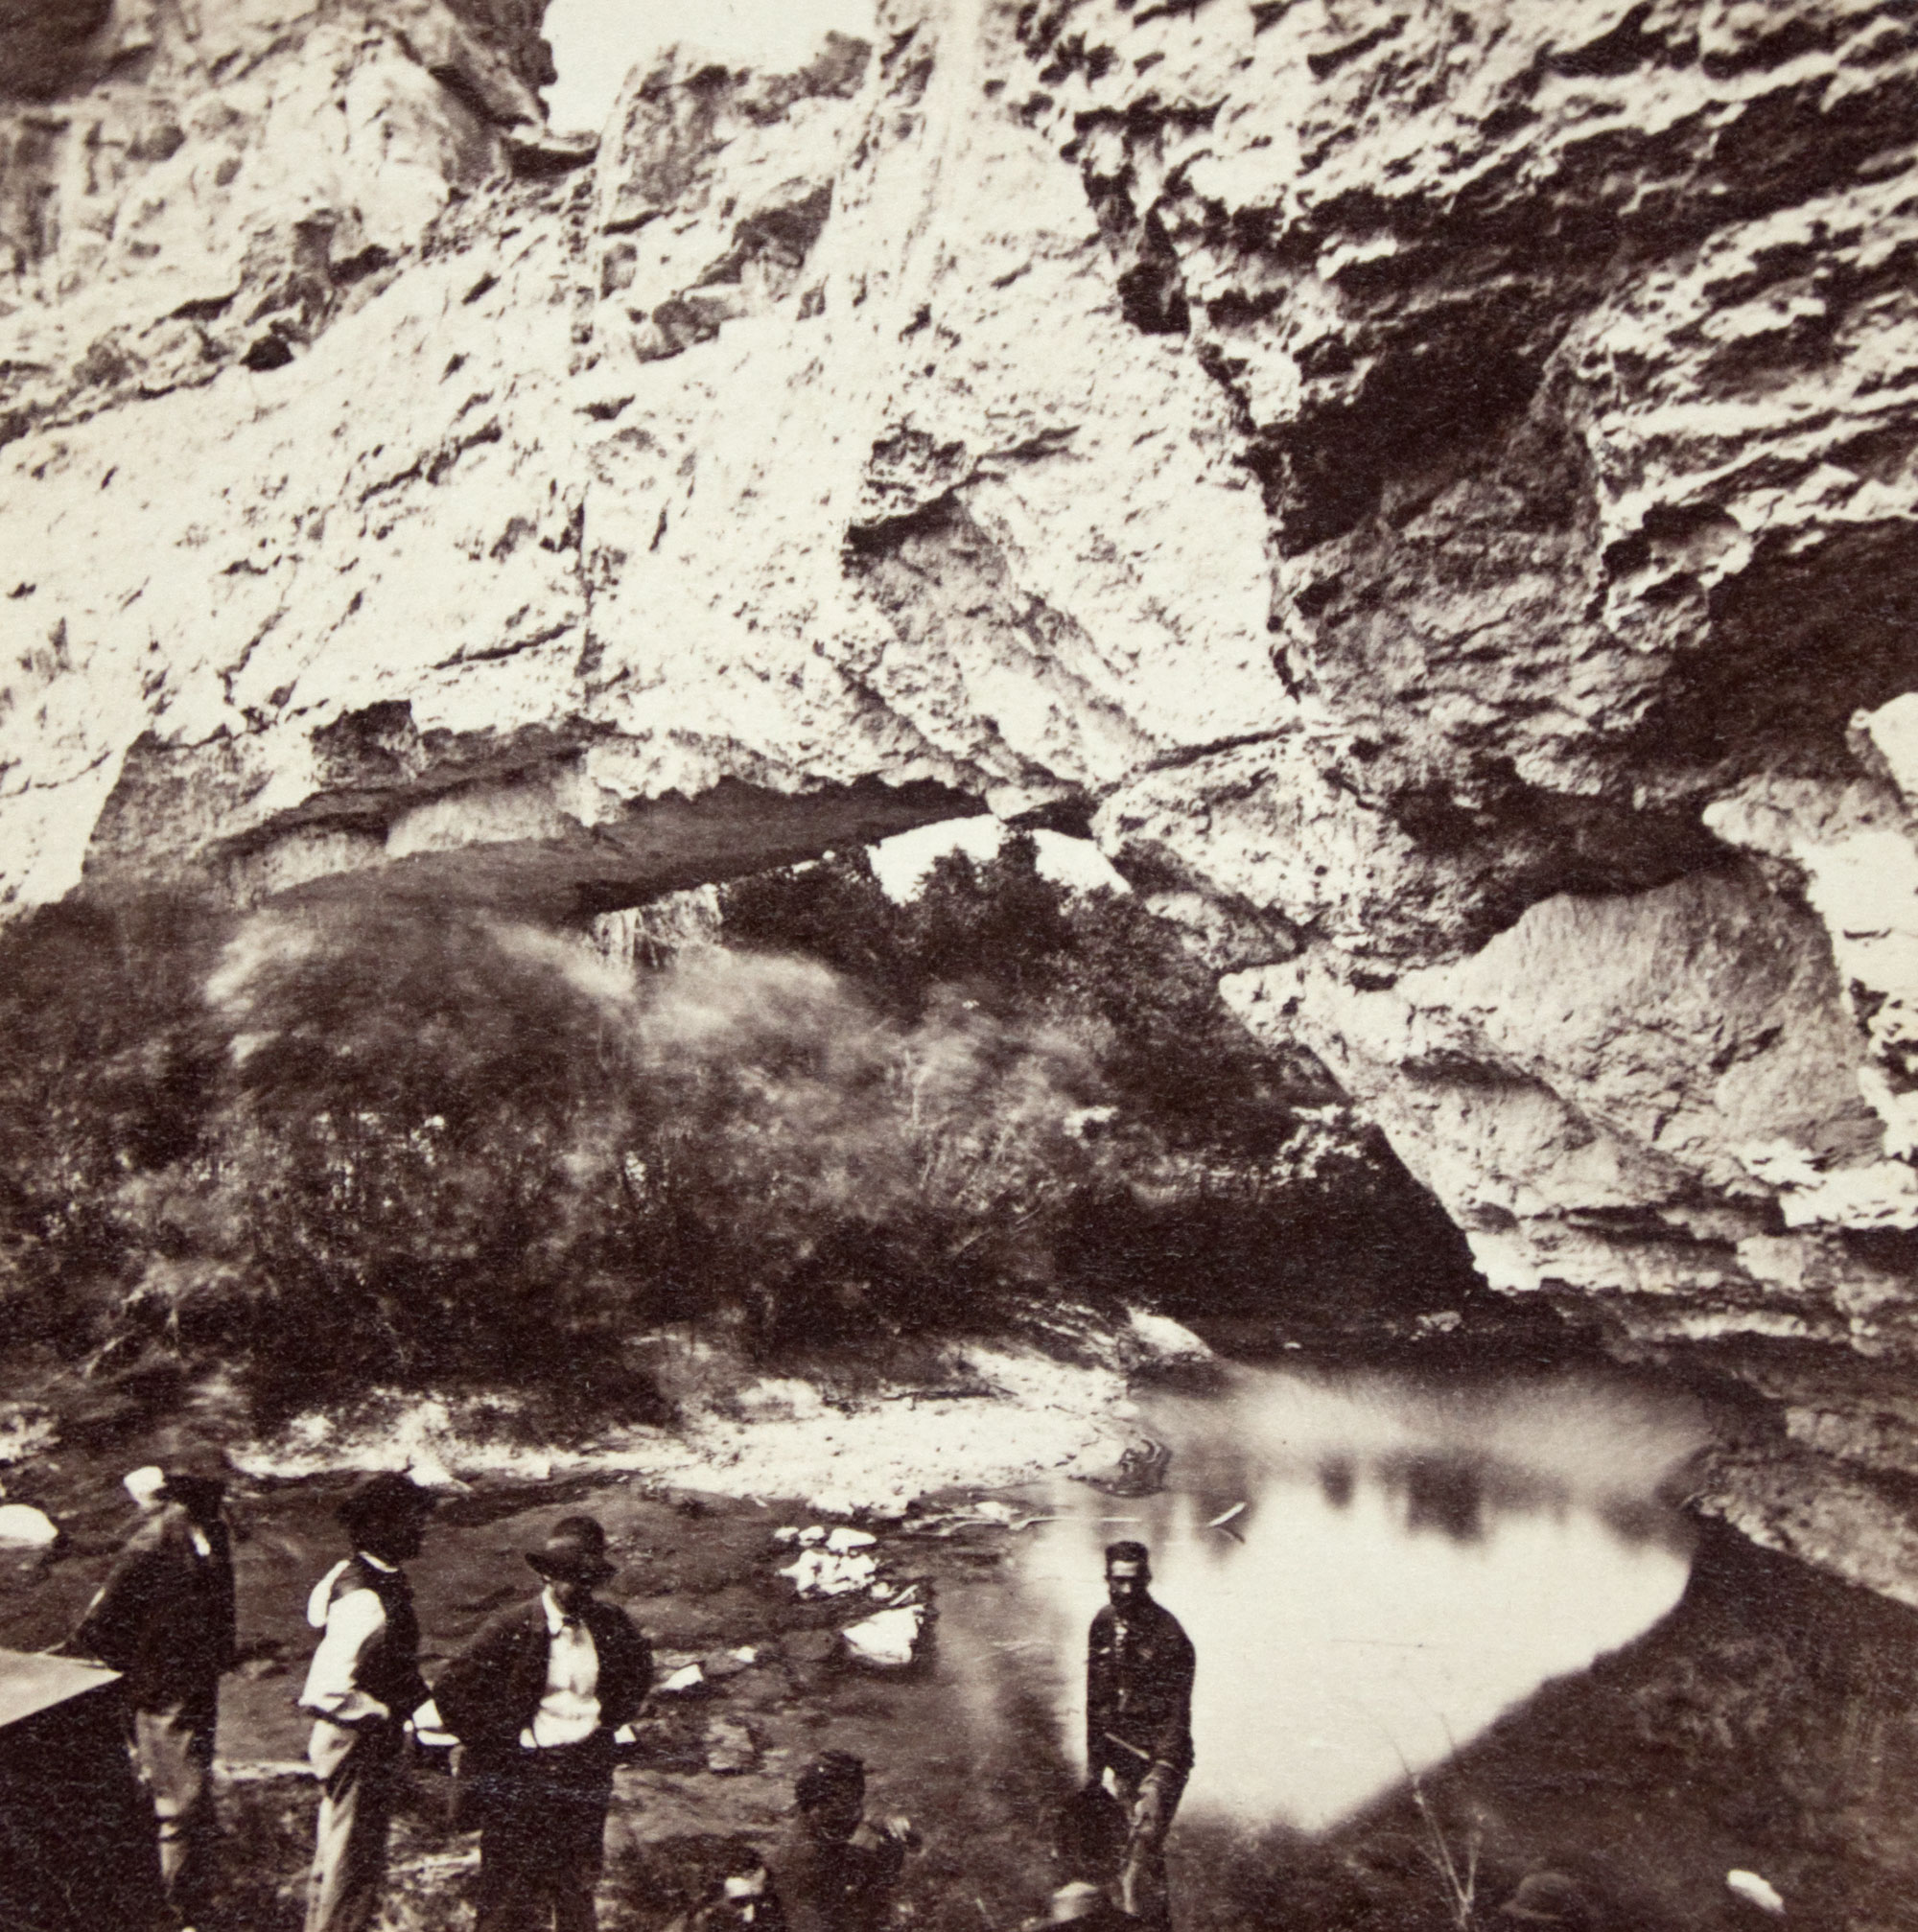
(1152,1797)
(173,1744)
(349,1861)
(542,1841)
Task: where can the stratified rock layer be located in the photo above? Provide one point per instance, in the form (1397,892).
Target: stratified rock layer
(1432,483)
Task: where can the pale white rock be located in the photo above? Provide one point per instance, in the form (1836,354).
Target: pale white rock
(27,1527)
(1893,732)
(888,1639)
(820,1572)
(1758,1890)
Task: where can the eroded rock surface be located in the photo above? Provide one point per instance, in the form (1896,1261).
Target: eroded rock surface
(1432,483)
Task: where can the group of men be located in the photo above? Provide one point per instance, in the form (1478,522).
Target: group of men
(534,1701)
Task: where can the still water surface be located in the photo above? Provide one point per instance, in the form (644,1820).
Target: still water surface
(1415,1556)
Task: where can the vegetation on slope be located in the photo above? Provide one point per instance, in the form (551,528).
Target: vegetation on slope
(343,1144)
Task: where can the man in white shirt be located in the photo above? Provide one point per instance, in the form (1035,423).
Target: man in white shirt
(535,1699)
(364,1684)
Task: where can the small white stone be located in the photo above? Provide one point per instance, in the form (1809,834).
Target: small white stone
(1749,1886)
(21,1523)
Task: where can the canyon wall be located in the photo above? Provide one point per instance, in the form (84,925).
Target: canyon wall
(1429,486)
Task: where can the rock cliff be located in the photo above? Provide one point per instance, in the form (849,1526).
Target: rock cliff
(1431,486)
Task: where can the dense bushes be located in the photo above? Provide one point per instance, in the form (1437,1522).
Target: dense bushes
(107,1065)
(1170,1055)
(363,1143)
(1231,1180)
(368,1143)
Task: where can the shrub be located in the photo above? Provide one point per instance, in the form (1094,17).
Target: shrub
(108,1064)
(418,1145)
(369,1142)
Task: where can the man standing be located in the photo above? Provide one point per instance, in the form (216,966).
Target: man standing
(165,1619)
(364,1684)
(1138,1721)
(535,1698)
(832,1871)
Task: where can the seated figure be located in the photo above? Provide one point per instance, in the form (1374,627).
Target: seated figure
(832,1870)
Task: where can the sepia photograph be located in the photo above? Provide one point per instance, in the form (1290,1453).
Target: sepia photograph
(958,966)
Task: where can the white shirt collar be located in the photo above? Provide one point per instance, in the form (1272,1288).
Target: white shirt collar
(556,1618)
(367,1557)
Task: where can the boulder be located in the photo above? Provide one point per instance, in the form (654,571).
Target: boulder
(819,1572)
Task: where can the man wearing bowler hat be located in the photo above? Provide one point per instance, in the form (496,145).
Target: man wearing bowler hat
(364,1684)
(164,1619)
(535,1699)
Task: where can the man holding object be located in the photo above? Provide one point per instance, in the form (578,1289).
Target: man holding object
(1138,1721)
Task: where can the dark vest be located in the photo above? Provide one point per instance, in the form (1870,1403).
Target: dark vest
(389,1666)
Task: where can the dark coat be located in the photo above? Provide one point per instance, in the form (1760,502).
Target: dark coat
(165,1617)
(491,1691)
(827,1885)
(1138,1692)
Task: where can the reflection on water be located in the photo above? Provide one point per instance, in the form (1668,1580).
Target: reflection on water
(1412,1559)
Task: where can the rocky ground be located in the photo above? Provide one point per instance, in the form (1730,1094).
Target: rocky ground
(746,1590)
(1763,1725)
(754,1679)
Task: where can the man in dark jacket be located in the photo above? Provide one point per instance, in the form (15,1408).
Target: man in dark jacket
(364,1684)
(535,1699)
(832,1871)
(1138,1721)
(164,1619)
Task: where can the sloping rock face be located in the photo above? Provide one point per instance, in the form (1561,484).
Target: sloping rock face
(1432,485)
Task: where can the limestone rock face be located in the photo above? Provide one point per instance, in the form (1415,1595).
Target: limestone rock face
(1432,485)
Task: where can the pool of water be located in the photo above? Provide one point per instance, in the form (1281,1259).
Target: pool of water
(1373,1566)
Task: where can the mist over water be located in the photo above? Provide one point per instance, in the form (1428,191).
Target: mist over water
(1416,1559)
